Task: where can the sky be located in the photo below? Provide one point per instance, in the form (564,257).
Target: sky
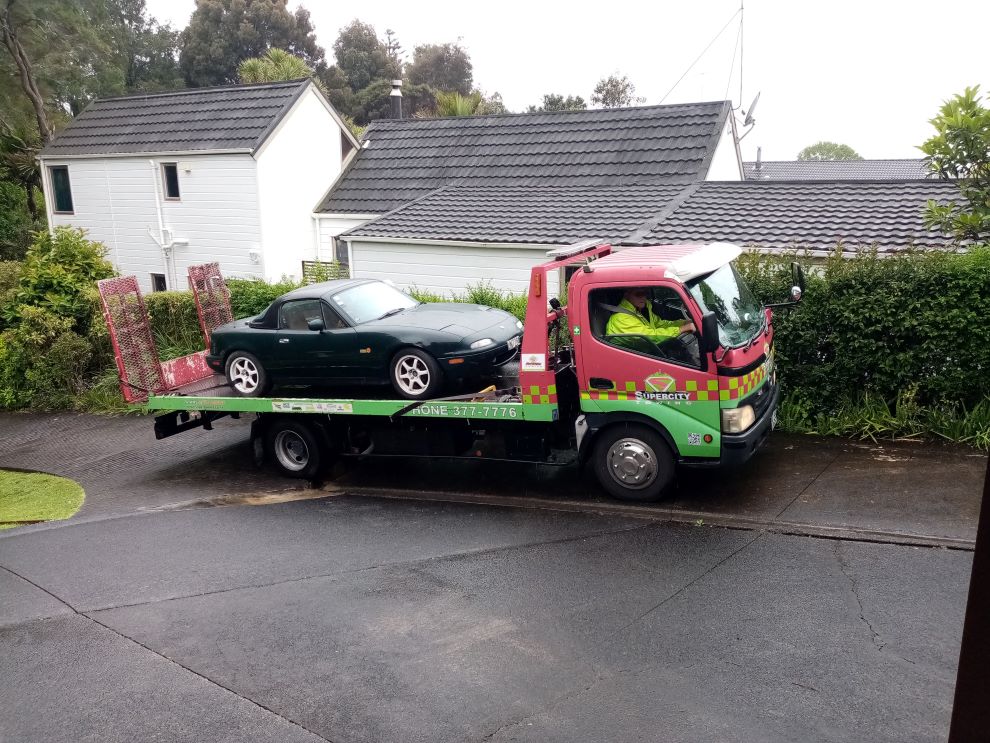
(867,73)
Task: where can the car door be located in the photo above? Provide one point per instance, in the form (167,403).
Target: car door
(303,353)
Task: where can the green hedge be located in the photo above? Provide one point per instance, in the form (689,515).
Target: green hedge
(908,334)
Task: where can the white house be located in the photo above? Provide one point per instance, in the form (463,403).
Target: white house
(441,204)
(175,179)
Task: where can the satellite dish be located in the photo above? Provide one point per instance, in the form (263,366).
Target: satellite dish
(749,120)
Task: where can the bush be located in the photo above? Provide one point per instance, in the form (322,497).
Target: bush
(871,328)
(10,275)
(250,297)
(16,224)
(174,323)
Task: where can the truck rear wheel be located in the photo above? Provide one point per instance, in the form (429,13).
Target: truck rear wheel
(296,448)
(633,462)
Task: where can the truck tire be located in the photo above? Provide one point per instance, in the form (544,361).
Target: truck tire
(633,462)
(246,375)
(415,375)
(296,448)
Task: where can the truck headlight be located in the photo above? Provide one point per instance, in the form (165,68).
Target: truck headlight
(482,343)
(737,420)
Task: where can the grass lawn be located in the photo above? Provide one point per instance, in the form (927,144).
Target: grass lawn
(32,496)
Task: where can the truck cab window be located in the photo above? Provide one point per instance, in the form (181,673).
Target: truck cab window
(644,321)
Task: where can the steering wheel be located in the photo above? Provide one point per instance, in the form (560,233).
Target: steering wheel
(683,347)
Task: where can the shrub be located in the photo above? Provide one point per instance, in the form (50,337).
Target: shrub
(248,297)
(174,323)
(10,274)
(16,224)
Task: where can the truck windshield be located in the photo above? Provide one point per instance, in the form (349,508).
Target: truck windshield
(740,317)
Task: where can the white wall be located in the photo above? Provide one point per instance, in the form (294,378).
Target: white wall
(115,199)
(725,165)
(330,226)
(295,165)
(448,269)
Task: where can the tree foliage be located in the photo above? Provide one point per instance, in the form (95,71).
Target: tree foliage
(445,67)
(557,102)
(614,92)
(828,151)
(276,65)
(223,33)
(363,58)
(960,149)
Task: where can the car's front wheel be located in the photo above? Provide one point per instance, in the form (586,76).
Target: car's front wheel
(415,374)
(246,374)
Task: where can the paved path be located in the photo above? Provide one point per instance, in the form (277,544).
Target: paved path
(355,618)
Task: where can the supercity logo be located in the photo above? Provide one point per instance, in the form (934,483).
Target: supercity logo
(663,396)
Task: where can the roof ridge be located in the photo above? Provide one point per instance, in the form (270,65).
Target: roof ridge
(190,91)
(820,181)
(823,162)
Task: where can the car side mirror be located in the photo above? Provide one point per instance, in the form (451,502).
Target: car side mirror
(709,333)
(315,324)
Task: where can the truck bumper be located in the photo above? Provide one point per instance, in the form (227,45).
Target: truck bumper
(737,448)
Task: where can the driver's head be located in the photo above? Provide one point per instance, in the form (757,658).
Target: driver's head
(637,296)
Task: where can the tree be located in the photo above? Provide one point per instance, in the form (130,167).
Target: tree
(18,164)
(273,66)
(821,151)
(614,92)
(555,102)
(223,33)
(960,150)
(373,102)
(362,57)
(441,66)
(146,51)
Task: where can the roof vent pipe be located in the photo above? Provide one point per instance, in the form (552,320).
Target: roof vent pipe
(759,158)
(396,97)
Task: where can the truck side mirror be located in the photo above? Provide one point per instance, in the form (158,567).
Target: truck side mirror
(797,275)
(709,333)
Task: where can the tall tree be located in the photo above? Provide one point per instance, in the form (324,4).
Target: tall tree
(444,67)
(362,57)
(273,66)
(821,151)
(555,102)
(223,33)
(615,92)
(960,150)
(146,51)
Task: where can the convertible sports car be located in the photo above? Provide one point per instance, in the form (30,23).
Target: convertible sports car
(362,331)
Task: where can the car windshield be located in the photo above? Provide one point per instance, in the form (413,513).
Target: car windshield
(372,301)
(740,317)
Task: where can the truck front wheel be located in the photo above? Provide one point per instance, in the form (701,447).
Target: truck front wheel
(633,462)
(296,448)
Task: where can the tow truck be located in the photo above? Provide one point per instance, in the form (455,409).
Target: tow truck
(632,407)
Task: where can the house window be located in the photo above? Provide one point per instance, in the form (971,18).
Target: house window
(61,189)
(158,282)
(170,180)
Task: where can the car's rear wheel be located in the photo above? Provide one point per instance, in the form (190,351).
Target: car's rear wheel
(246,374)
(415,374)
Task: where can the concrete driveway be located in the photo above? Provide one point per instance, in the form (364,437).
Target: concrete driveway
(350,617)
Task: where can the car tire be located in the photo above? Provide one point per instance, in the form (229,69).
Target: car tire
(245,374)
(415,375)
(296,449)
(633,463)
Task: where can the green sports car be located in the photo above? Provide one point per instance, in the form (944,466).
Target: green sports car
(362,331)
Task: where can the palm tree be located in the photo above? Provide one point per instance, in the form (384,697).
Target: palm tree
(454,104)
(273,66)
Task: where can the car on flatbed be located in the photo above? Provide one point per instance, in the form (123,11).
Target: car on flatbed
(362,332)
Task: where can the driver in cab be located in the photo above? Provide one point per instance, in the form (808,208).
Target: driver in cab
(634,316)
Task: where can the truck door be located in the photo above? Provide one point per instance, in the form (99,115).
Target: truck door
(628,365)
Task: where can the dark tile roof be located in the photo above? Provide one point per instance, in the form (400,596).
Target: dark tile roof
(836,170)
(406,159)
(523,214)
(197,119)
(807,214)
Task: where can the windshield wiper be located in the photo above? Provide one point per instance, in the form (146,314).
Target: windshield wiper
(396,311)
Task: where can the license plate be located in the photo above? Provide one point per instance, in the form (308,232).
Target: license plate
(513,343)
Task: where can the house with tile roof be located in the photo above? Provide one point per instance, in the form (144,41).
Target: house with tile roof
(443,203)
(836,170)
(226,174)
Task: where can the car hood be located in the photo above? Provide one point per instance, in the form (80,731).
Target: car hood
(455,318)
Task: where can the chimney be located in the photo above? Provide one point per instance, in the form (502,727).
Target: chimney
(759,158)
(396,97)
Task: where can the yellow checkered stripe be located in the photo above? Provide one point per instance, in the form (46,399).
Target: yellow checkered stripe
(540,394)
(730,388)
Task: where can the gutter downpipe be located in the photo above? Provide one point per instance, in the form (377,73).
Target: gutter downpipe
(165,246)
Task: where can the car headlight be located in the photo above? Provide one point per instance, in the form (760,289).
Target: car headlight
(482,343)
(518,324)
(737,420)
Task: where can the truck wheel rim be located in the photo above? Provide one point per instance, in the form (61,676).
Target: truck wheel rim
(291,451)
(412,375)
(244,375)
(632,464)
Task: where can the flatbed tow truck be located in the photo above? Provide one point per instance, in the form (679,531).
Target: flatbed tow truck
(632,408)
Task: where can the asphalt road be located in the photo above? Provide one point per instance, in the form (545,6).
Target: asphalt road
(355,618)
